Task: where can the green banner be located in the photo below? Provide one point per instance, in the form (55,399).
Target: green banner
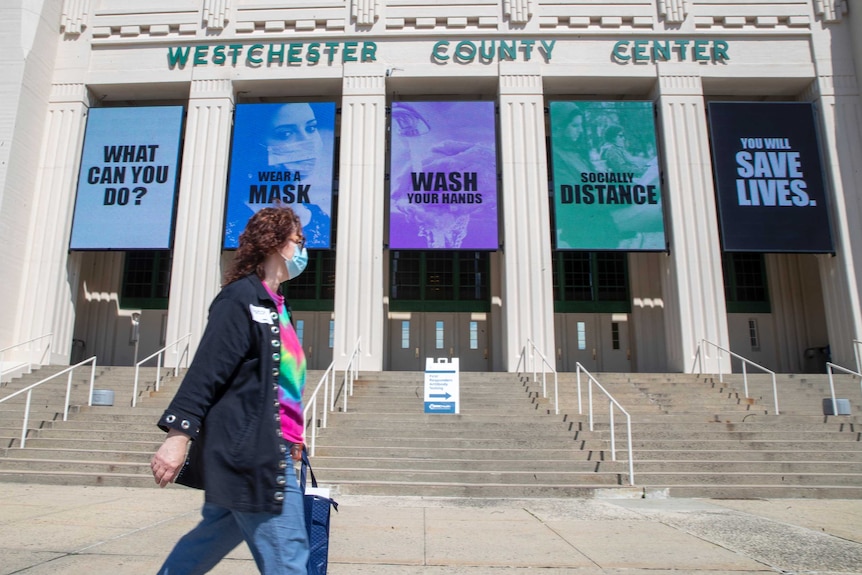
(607,193)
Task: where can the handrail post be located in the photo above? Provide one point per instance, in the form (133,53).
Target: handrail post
(745,380)
(832,390)
(775,393)
(613,431)
(325,402)
(630,449)
(26,420)
(68,397)
(92,384)
(590,400)
(135,386)
(314,424)
(580,402)
(556,394)
(159,370)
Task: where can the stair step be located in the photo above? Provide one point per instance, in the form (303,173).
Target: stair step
(691,436)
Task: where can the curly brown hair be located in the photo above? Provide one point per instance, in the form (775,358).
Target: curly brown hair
(267,230)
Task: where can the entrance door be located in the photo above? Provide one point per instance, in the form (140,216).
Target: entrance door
(314,329)
(472,344)
(577,341)
(599,341)
(615,350)
(404,342)
(414,337)
(440,336)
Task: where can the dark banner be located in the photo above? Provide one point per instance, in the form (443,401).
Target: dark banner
(282,153)
(128,179)
(443,193)
(769,179)
(607,193)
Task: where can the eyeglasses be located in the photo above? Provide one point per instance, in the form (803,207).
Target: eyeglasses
(300,243)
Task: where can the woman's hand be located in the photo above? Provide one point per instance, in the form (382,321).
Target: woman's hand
(170,457)
(296,451)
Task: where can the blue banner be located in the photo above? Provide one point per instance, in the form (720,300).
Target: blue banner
(282,153)
(128,179)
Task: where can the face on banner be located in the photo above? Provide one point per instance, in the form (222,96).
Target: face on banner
(282,153)
(769,181)
(606,176)
(128,179)
(443,192)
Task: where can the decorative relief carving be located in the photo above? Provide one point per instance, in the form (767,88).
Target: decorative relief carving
(364,12)
(74,16)
(211,88)
(518,11)
(364,84)
(69,93)
(679,85)
(524,84)
(673,11)
(216,14)
(830,10)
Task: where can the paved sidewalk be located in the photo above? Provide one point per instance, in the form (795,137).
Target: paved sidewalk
(111,530)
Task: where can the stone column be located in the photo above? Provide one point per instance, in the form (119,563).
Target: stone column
(50,275)
(693,285)
(196,270)
(528,301)
(837,99)
(361,218)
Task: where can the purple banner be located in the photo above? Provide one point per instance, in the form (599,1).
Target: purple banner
(444,176)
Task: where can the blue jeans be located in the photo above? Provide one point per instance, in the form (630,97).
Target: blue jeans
(279,543)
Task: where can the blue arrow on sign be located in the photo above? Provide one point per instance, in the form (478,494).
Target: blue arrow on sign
(439,395)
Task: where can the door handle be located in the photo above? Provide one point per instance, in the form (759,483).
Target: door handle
(594,354)
(451,352)
(417,353)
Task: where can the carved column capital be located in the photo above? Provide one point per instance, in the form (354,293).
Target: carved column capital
(216,14)
(74,17)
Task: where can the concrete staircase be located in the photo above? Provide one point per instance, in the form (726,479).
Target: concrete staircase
(692,437)
(503,443)
(97,445)
(696,437)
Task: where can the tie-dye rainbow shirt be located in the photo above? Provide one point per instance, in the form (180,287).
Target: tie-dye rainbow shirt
(291,378)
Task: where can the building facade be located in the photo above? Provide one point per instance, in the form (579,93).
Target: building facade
(787,298)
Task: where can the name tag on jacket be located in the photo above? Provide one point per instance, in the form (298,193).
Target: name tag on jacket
(260,314)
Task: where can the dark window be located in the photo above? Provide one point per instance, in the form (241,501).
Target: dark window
(745,286)
(314,289)
(146,280)
(439,281)
(587,282)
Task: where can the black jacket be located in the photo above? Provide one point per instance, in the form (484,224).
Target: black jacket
(228,404)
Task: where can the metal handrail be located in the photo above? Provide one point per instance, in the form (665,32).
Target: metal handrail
(327,380)
(829,367)
(611,403)
(27,363)
(160,353)
(545,364)
(856,344)
(29,389)
(327,383)
(745,361)
(351,372)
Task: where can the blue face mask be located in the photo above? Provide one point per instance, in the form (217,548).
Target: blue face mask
(296,264)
